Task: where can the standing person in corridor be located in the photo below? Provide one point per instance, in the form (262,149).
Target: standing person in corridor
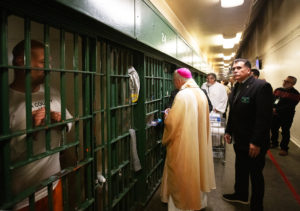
(189,170)
(216,93)
(286,99)
(248,127)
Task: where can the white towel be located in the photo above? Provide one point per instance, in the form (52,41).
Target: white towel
(134,155)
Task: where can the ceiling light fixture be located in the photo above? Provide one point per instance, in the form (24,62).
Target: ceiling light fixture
(229,43)
(221,55)
(231,3)
(227,58)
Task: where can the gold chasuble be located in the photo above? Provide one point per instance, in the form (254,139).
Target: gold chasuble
(189,168)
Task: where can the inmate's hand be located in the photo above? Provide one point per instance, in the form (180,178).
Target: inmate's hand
(38,116)
(253,150)
(227,138)
(166,113)
(55,116)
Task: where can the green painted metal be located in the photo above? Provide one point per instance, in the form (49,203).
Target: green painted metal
(119,121)
(152,30)
(115,13)
(203,79)
(5,182)
(65,194)
(138,19)
(184,52)
(47,84)
(50,196)
(62,82)
(109,134)
(139,109)
(27,64)
(103,72)
(76,114)
(89,189)
(152,96)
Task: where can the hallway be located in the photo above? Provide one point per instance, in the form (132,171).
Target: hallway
(278,195)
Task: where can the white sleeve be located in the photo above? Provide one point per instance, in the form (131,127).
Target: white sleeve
(204,86)
(69,116)
(222,102)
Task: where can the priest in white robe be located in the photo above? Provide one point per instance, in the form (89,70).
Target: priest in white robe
(189,170)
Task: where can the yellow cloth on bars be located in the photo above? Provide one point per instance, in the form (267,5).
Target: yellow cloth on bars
(189,168)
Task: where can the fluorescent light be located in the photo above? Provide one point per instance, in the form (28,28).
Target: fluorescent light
(221,55)
(229,43)
(238,37)
(231,3)
(227,57)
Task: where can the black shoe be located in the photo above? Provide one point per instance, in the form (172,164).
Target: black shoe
(235,198)
(283,152)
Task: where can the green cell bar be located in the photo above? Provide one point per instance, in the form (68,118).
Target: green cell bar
(4,128)
(47,85)
(65,193)
(140,63)
(148,90)
(31,203)
(93,69)
(113,124)
(76,89)
(108,105)
(76,106)
(103,137)
(76,77)
(164,87)
(78,187)
(27,63)
(50,196)
(152,81)
(87,123)
(63,82)
(5,174)
(117,65)
(42,155)
(86,205)
(113,92)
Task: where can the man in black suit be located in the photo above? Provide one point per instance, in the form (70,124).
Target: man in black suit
(248,127)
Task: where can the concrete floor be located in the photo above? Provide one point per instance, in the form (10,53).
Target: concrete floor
(278,196)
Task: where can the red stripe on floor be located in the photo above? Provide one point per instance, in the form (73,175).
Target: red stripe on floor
(297,197)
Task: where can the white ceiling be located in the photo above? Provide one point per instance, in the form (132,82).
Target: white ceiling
(205,19)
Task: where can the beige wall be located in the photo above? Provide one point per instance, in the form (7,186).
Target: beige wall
(276,40)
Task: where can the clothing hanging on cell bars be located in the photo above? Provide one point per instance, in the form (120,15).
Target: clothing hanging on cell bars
(134,84)
(133,151)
